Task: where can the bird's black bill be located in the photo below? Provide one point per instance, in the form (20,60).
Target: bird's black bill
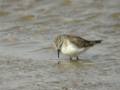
(58,52)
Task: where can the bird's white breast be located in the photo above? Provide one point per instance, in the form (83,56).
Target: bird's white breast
(71,49)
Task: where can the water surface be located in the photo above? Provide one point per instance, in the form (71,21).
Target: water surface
(28,60)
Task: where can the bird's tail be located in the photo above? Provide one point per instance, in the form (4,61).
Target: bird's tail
(96,42)
(92,43)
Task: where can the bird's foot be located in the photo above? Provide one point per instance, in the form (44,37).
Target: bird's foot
(59,62)
(77,58)
(70,58)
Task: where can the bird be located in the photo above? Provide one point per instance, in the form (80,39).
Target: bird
(72,45)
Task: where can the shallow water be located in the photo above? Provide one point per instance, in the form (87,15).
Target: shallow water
(28,60)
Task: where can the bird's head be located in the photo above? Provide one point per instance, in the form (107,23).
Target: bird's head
(58,44)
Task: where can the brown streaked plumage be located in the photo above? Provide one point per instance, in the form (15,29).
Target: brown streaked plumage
(73,45)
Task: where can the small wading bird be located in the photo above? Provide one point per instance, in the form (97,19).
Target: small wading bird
(73,45)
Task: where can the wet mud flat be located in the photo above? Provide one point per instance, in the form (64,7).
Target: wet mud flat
(28,60)
(29,74)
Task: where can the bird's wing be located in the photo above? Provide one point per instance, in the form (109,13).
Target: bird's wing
(79,42)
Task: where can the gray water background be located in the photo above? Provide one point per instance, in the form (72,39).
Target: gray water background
(28,60)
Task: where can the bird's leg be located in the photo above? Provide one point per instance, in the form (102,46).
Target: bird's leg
(70,58)
(77,58)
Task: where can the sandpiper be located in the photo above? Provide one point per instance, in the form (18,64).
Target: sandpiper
(73,45)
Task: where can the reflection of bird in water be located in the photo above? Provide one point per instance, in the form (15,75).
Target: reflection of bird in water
(75,64)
